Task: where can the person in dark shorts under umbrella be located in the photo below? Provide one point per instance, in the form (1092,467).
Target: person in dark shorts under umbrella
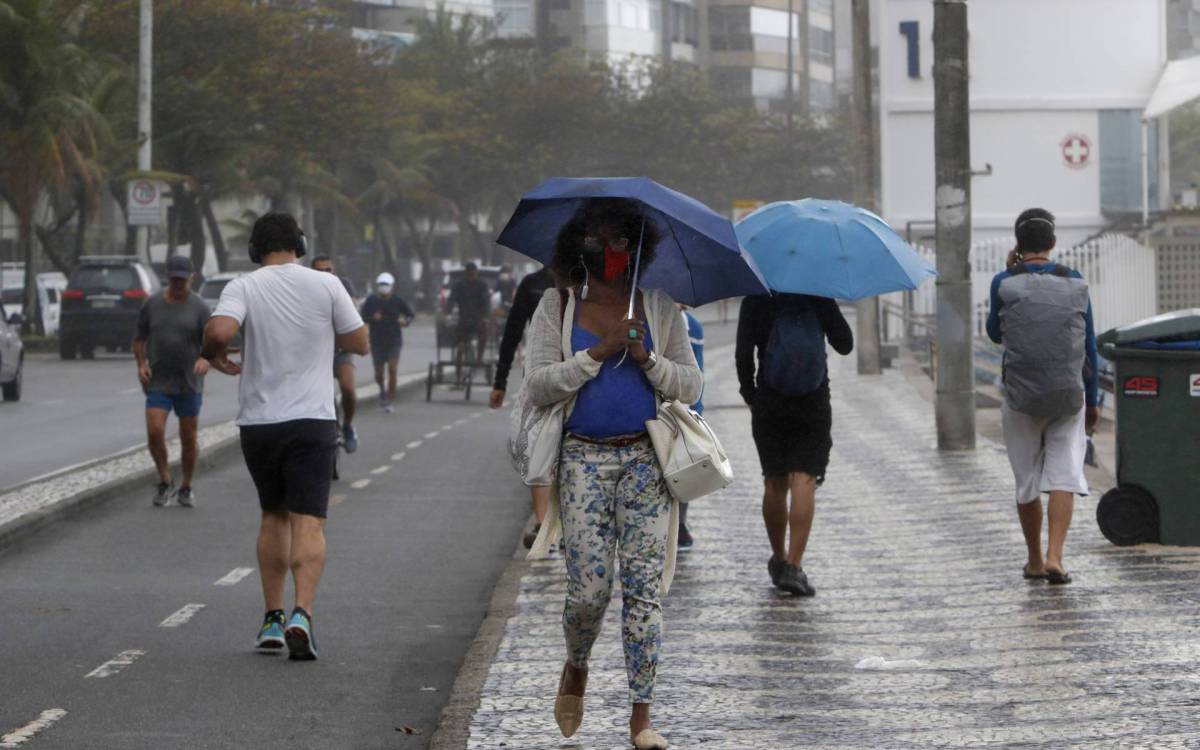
(473,300)
(343,365)
(787,390)
(525,301)
(170,329)
(387,315)
(294,318)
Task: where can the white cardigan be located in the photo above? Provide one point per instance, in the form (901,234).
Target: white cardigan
(552,376)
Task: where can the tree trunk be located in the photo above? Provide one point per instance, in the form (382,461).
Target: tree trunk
(25,242)
(214,231)
(81,223)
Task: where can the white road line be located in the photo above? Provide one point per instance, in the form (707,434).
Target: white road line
(461,422)
(21,735)
(128,391)
(414,444)
(431,435)
(185,613)
(477,415)
(447,427)
(358,484)
(116,664)
(398,456)
(381,469)
(233,576)
(337,499)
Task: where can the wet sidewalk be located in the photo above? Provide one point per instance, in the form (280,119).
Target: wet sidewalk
(916,555)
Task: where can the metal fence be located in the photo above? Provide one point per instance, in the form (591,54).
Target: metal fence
(1121,275)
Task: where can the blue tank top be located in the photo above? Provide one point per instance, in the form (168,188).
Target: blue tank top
(618,401)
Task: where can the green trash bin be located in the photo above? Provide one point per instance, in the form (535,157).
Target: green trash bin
(1157,394)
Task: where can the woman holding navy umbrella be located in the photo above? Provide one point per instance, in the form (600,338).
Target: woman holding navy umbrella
(613,500)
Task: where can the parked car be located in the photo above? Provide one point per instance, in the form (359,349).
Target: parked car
(46,300)
(210,290)
(12,357)
(101,303)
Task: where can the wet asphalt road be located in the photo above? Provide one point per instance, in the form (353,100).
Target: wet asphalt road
(427,515)
(76,411)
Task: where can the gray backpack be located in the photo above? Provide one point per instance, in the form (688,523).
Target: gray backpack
(1043,324)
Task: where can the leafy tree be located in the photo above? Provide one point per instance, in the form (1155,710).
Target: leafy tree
(48,125)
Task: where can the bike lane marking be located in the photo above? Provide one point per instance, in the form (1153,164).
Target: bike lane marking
(232,577)
(414,444)
(21,735)
(359,484)
(116,664)
(381,469)
(181,617)
(399,456)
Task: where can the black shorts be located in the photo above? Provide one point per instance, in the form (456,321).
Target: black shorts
(291,464)
(793,433)
(385,350)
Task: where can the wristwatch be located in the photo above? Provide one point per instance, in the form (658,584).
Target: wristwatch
(650,362)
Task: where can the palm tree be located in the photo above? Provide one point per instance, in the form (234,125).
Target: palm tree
(47,123)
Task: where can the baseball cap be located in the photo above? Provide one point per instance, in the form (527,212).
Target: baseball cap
(384,279)
(179,267)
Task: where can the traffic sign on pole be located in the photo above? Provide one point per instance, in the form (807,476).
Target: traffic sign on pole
(144,203)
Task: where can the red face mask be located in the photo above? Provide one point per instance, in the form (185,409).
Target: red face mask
(616,263)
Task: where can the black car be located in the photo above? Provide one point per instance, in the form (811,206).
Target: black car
(101,303)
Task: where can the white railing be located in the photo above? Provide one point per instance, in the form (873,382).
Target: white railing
(1121,276)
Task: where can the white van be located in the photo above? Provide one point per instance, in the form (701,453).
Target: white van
(49,294)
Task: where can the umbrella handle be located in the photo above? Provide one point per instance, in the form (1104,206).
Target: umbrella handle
(637,266)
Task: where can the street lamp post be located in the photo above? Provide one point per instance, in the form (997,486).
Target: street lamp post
(145,98)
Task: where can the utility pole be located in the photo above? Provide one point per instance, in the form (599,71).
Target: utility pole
(866,310)
(145,98)
(791,64)
(955,405)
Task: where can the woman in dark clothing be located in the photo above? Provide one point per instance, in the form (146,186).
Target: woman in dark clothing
(524,302)
(786,387)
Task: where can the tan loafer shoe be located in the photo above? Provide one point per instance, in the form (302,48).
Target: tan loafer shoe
(648,739)
(568,709)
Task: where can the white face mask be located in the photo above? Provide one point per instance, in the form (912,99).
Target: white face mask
(385,289)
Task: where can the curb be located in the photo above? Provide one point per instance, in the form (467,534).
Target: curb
(211,456)
(454,724)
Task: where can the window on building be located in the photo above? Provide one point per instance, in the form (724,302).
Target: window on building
(820,94)
(684,24)
(731,83)
(729,29)
(514,17)
(1121,161)
(769,22)
(820,45)
(821,6)
(766,83)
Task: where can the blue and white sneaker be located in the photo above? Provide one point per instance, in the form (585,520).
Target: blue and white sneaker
(270,636)
(349,439)
(301,641)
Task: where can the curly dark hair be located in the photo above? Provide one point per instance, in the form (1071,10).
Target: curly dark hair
(610,216)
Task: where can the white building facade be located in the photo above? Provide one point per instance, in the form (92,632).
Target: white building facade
(1057,88)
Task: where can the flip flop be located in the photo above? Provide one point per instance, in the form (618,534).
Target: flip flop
(1033,576)
(1058,577)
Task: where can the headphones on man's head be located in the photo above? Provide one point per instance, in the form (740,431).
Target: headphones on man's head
(256,252)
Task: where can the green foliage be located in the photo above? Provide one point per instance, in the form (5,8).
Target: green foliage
(279,100)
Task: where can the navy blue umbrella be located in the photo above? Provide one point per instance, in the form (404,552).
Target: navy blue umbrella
(698,260)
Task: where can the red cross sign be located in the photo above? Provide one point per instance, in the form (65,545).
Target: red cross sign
(1076,151)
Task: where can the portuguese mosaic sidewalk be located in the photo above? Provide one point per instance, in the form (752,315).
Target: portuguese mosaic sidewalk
(917,559)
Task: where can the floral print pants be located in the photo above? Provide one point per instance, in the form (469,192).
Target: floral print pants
(615,506)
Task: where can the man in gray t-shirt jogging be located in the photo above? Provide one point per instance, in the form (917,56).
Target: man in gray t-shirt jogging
(166,346)
(293,318)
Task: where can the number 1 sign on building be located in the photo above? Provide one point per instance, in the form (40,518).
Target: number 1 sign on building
(144,203)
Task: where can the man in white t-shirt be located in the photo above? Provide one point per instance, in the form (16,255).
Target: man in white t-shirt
(292,318)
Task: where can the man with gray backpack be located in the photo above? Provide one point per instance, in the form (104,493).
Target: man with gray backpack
(1041,314)
(787,390)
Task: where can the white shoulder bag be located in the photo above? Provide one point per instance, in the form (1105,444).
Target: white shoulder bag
(693,461)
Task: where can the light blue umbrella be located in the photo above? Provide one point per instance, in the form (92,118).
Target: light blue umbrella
(829,249)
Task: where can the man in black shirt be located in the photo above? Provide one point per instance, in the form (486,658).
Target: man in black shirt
(387,315)
(787,389)
(473,300)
